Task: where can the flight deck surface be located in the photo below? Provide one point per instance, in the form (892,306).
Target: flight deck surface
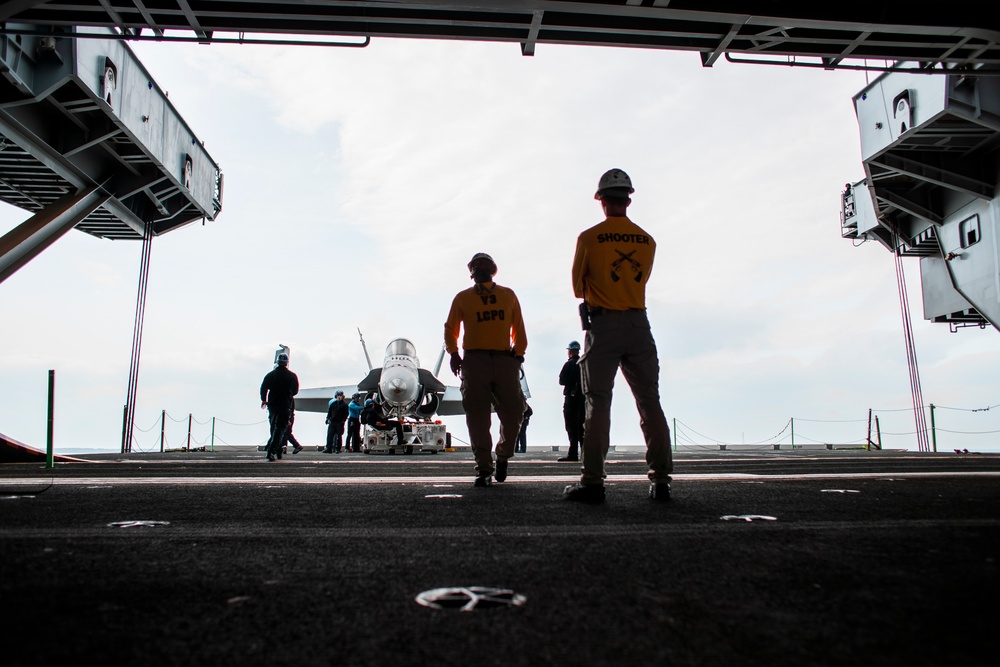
(762,557)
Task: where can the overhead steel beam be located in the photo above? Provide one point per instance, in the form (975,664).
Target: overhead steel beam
(901,203)
(93,142)
(926,173)
(148,18)
(966,35)
(15,7)
(192,19)
(63,168)
(708,58)
(26,241)
(528,45)
(113,15)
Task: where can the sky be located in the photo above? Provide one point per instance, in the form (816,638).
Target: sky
(359,182)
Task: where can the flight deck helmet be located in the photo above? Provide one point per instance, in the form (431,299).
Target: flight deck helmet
(615,183)
(282,359)
(479,258)
(573,345)
(338,393)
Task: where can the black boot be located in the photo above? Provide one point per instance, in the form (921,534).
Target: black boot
(572,454)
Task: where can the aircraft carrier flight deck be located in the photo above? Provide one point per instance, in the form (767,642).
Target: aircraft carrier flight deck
(805,557)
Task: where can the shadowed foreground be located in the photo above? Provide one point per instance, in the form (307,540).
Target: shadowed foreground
(777,558)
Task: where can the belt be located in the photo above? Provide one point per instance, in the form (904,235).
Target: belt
(493,353)
(597,312)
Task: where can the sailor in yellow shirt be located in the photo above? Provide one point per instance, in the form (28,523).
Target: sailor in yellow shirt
(610,271)
(493,342)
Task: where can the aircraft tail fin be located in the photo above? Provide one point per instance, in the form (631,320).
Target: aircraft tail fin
(437,367)
(365,348)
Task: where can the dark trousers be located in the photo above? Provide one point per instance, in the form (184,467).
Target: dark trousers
(278,418)
(288,434)
(289,438)
(522,438)
(623,340)
(574,415)
(353,443)
(334,436)
(491,381)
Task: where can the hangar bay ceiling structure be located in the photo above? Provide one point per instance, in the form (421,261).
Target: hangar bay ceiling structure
(832,34)
(89,141)
(908,177)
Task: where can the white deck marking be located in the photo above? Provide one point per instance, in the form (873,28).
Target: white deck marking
(451,479)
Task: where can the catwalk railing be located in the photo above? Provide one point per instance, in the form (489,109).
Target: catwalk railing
(205,435)
(865,433)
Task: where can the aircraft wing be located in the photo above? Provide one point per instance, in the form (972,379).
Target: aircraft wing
(451,402)
(451,397)
(318,399)
(429,382)
(370,384)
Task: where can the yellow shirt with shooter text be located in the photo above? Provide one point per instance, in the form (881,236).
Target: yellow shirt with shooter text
(491,316)
(612,264)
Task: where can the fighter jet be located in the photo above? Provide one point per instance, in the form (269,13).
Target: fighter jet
(400,387)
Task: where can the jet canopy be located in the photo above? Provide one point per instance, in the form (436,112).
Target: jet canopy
(400,347)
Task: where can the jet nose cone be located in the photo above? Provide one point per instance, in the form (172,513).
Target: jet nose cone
(397,387)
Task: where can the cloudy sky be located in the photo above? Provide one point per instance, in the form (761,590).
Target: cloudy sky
(359,182)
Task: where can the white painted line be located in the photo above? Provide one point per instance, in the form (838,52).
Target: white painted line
(432,480)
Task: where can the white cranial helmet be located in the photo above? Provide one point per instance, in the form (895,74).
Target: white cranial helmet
(615,180)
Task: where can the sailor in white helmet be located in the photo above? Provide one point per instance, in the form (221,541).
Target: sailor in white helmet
(494,343)
(610,270)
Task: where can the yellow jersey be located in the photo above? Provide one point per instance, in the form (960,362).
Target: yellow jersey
(612,264)
(491,315)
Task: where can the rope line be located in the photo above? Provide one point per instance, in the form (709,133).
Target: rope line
(986,409)
(684,433)
(859,441)
(223,421)
(147,430)
(720,441)
(945,430)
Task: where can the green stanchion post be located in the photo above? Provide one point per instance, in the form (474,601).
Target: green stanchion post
(675,434)
(49,456)
(213,435)
(933,431)
(163,426)
(792,421)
